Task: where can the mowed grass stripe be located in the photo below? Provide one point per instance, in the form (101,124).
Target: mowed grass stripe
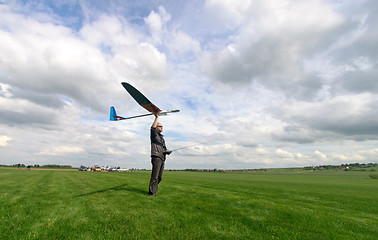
(312,199)
(190,205)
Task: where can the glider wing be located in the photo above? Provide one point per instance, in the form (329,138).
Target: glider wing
(140,98)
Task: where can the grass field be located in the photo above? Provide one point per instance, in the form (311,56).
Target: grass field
(190,205)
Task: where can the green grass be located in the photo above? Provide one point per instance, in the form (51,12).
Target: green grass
(287,204)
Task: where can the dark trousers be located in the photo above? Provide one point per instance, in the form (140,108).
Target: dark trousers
(156,174)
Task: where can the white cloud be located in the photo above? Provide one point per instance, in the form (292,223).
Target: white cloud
(61,150)
(284,154)
(349,116)
(259,83)
(156,22)
(181,43)
(272,43)
(320,155)
(4,140)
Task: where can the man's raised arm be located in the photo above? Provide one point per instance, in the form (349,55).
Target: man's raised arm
(154,124)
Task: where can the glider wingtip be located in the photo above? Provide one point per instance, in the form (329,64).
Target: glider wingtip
(125,84)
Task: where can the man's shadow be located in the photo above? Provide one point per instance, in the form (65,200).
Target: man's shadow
(116,188)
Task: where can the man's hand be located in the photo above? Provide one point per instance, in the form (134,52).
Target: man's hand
(167,152)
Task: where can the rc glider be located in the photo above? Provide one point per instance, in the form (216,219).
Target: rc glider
(143,101)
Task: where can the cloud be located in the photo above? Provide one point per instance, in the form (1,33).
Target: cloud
(283,154)
(49,61)
(4,140)
(320,155)
(16,111)
(258,83)
(344,117)
(157,22)
(272,49)
(61,150)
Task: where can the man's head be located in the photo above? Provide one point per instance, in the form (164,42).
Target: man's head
(159,127)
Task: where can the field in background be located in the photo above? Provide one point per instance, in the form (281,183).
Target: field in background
(277,204)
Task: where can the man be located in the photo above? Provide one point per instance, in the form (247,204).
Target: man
(158,154)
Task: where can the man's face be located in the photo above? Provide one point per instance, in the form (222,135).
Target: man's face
(159,128)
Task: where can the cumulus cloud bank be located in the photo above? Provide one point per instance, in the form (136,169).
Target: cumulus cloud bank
(259,83)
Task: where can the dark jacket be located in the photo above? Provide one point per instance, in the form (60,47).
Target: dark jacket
(157,144)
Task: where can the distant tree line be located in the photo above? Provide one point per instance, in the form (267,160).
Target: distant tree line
(345,167)
(21,165)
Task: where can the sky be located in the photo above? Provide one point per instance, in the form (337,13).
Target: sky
(260,83)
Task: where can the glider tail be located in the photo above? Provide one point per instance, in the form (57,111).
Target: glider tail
(113,114)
